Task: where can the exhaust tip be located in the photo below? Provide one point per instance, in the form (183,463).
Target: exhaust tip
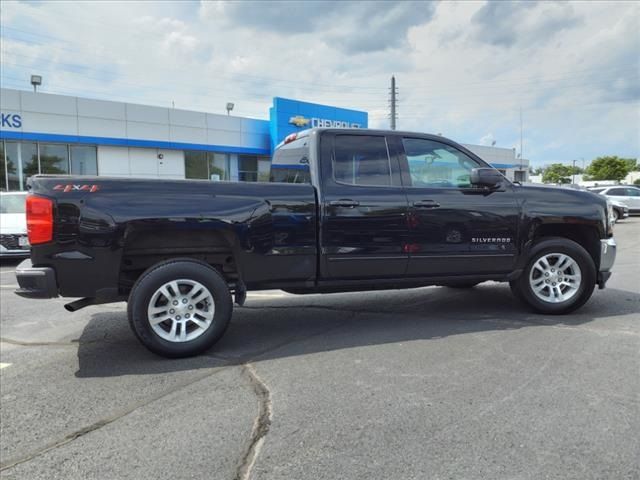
(78,304)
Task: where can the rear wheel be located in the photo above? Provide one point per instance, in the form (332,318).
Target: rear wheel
(179,308)
(559,277)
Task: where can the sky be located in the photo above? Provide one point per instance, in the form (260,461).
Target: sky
(463,69)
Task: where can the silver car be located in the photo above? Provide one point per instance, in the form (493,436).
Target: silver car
(13,225)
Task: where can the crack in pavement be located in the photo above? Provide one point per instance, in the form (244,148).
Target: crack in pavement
(261,424)
(20,343)
(106,421)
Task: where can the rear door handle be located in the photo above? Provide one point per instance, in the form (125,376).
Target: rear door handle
(344,202)
(426,204)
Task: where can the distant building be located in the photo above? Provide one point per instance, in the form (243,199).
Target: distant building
(45,133)
(504,159)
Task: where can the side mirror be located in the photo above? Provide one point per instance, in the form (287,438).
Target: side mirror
(486,177)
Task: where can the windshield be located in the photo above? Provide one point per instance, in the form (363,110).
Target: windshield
(12,203)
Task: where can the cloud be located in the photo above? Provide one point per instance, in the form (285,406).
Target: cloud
(462,68)
(349,26)
(488,139)
(506,23)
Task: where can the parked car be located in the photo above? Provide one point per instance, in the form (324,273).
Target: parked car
(619,210)
(626,194)
(377,210)
(13,225)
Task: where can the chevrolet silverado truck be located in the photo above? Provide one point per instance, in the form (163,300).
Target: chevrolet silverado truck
(346,210)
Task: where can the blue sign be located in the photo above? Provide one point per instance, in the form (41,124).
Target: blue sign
(288,116)
(10,120)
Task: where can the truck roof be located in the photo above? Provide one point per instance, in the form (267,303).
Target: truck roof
(309,131)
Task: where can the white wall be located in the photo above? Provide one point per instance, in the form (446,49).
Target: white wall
(140,162)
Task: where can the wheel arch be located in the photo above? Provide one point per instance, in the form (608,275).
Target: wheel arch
(144,246)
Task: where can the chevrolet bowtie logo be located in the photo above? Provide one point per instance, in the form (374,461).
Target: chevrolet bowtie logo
(299,121)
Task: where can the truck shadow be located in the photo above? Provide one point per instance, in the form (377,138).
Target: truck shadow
(287,326)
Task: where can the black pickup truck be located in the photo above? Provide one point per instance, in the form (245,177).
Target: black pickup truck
(346,210)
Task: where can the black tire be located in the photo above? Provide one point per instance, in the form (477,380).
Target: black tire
(522,289)
(616,215)
(460,284)
(152,280)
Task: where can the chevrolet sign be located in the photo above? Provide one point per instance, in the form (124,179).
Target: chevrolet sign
(299,121)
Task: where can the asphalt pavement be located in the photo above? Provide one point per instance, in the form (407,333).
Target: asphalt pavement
(428,383)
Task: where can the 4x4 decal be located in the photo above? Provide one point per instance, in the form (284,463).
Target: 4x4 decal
(77,188)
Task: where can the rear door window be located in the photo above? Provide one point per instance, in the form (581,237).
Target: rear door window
(618,192)
(362,160)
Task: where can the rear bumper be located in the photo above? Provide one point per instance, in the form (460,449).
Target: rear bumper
(36,282)
(607,258)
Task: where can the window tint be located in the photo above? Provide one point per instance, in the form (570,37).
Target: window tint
(435,164)
(632,192)
(361,160)
(617,191)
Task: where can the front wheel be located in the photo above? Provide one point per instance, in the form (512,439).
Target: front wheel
(559,277)
(179,308)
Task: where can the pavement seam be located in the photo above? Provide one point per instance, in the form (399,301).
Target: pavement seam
(106,421)
(261,424)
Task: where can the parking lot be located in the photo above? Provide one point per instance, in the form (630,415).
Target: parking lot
(423,383)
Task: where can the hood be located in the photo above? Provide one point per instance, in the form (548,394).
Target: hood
(557,193)
(12,223)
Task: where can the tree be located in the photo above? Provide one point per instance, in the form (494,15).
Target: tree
(608,168)
(636,181)
(557,173)
(632,163)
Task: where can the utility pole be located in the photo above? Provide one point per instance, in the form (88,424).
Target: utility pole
(521,155)
(573,173)
(393,92)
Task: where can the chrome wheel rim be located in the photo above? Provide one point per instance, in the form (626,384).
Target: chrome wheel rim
(555,278)
(181,310)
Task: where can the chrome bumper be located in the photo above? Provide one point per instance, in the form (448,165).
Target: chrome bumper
(607,257)
(607,254)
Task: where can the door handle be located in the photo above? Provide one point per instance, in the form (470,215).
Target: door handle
(344,202)
(426,204)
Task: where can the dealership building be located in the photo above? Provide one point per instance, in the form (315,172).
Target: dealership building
(45,133)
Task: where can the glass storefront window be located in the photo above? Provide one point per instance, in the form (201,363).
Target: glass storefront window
(84,160)
(218,166)
(13,174)
(264,169)
(28,152)
(3,171)
(247,168)
(195,165)
(54,158)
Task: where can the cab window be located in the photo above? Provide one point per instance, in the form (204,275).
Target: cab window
(362,160)
(437,165)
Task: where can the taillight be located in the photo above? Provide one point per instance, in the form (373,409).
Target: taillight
(39,219)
